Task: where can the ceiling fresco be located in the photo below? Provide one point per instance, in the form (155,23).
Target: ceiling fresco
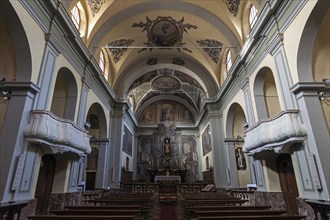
(166,82)
(169,49)
(164,33)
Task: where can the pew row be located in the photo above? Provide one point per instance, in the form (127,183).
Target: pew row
(275,217)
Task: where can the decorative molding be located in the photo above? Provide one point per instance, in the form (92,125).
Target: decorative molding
(152,61)
(117,53)
(212,48)
(232,5)
(95,5)
(164,33)
(178,61)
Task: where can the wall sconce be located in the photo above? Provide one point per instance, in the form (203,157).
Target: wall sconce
(4,94)
(323,95)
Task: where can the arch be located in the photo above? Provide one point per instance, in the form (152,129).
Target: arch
(145,105)
(97,114)
(22,50)
(127,76)
(65,95)
(306,45)
(235,115)
(265,94)
(179,6)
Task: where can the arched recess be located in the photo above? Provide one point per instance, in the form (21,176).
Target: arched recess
(314,49)
(21,54)
(15,53)
(313,66)
(265,94)
(306,59)
(65,95)
(236,158)
(95,166)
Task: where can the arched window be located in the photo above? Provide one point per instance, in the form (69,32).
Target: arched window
(253,16)
(101,61)
(228,61)
(75,16)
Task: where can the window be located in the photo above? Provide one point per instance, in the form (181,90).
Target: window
(75,16)
(101,61)
(228,61)
(253,16)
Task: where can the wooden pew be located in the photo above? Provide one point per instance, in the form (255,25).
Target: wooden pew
(80,217)
(263,217)
(124,212)
(226,207)
(216,202)
(238,212)
(123,201)
(118,207)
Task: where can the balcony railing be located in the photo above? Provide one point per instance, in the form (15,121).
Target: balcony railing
(274,133)
(61,135)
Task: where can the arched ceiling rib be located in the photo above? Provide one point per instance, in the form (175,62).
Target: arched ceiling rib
(205,28)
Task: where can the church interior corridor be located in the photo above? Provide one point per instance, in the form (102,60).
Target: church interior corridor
(164,109)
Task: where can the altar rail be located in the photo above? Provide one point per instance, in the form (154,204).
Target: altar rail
(145,187)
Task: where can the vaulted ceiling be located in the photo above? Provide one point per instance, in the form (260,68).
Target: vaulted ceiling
(166,48)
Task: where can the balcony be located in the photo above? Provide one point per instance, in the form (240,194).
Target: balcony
(273,134)
(60,135)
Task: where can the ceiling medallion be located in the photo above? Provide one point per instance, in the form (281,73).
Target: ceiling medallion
(212,48)
(95,5)
(122,45)
(232,6)
(164,33)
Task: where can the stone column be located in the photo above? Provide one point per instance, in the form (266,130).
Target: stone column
(116,137)
(101,181)
(217,140)
(245,86)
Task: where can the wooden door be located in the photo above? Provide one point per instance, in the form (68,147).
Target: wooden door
(288,182)
(45,183)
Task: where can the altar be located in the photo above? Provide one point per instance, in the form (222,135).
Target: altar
(174,178)
(167,175)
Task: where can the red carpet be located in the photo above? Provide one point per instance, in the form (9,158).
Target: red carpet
(167,213)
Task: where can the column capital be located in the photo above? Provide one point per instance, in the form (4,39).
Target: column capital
(244,84)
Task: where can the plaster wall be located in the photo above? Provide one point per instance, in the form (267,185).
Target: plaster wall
(35,37)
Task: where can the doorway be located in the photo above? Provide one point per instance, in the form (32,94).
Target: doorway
(45,183)
(288,182)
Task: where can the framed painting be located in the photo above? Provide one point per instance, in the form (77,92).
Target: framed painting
(127,141)
(206,141)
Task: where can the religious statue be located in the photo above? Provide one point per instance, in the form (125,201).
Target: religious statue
(240,159)
(167,147)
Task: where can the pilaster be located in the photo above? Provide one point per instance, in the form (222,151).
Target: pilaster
(12,143)
(219,153)
(116,136)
